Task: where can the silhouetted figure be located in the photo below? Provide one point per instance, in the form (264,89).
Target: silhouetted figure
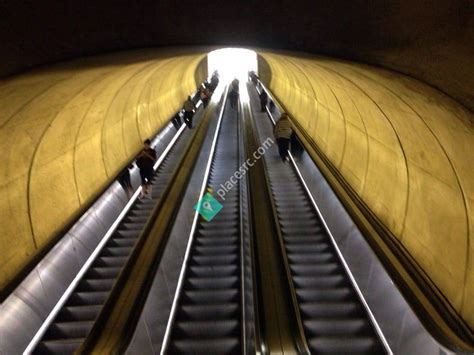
(253,77)
(189,108)
(282,132)
(124,180)
(214,81)
(177,121)
(205,95)
(271,107)
(263,100)
(234,93)
(296,146)
(145,161)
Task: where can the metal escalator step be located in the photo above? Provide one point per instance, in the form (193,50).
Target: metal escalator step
(297,208)
(211,282)
(284,187)
(328,327)
(280,179)
(345,345)
(300,224)
(116,251)
(136,219)
(323,281)
(132,226)
(70,330)
(221,232)
(221,346)
(208,311)
(206,329)
(290,196)
(220,224)
(139,213)
(216,250)
(307,248)
(311,258)
(87,298)
(147,203)
(324,295)
(95,285)
(110,261)
(296,229)
(296,215)
(102,272)
(226,214)
(310,238)
(78,313)
(214,271)
(342,310)
(122,233)
(216,241)
(58,347)
(210,296)
(319,269)
(144,206)
(122,242)
(214,260)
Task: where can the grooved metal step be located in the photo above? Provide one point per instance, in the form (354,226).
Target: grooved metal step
(208,317)
(75,320)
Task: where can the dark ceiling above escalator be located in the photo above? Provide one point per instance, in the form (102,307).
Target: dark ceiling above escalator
(426,39)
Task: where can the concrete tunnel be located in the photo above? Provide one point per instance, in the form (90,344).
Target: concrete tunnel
(381,93)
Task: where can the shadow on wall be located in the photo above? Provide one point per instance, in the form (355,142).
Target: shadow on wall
(403,149)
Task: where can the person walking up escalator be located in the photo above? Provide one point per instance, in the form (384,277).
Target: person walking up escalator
(189,108)
(234,93)
(282,132)
(145,161)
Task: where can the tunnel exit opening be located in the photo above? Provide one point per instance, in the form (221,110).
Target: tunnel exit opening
(232,63)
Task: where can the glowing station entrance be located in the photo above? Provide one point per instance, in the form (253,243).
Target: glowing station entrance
(232,63)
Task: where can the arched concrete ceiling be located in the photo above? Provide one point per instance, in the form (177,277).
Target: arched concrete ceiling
(428,40)
(402,146)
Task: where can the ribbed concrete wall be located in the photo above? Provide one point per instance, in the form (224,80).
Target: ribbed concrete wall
(405,148)
(66,131)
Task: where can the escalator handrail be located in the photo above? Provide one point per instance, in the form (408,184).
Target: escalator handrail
(178,292)
(256,323)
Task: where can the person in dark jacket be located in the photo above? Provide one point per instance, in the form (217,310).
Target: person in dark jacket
(263,100)
(177,121)
(145,161)
(234,93)
(189,108)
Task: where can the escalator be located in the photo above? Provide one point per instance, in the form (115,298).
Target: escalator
(74,321)
(334,318)
(208,316)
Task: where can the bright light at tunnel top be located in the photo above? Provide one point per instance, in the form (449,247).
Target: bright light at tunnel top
(232,63)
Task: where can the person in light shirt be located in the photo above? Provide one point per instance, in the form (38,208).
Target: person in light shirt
(282,132)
